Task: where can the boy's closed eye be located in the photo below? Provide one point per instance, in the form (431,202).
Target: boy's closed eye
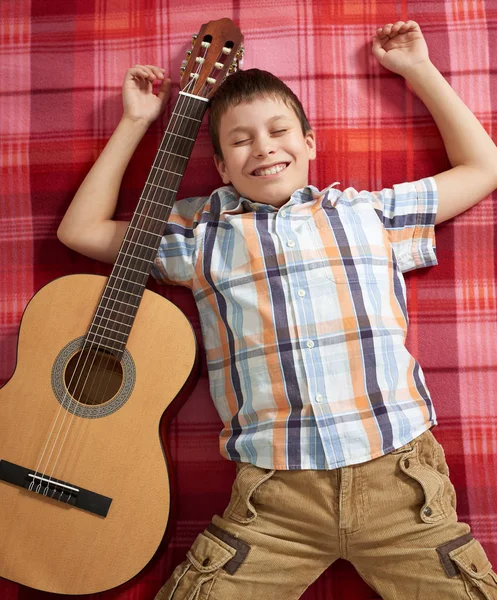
(247,140)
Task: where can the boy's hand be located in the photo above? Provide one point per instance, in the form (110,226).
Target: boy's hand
(400,46)
(139,102)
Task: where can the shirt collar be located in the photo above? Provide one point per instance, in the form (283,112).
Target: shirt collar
(233,203)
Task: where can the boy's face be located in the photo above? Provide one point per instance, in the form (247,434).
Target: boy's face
(264,133)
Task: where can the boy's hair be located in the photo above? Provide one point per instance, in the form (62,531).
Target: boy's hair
(246,86)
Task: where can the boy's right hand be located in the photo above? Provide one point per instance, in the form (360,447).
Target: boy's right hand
(139,102)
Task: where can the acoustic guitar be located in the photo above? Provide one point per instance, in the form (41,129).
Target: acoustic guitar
(84,485)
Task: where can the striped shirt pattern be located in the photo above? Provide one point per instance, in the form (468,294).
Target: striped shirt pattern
(304,318)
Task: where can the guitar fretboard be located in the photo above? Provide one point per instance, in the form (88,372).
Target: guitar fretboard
(122,294)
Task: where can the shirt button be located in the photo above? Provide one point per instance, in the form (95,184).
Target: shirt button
(310,344)
(319,398)
(290,243)
(301,293)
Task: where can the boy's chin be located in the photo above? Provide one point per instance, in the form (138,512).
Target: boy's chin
(276,196)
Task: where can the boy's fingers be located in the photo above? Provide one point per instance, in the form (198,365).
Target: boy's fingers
(377,48)
(165,89)
(391,29)
(150,72)
(156,71)
(137,71)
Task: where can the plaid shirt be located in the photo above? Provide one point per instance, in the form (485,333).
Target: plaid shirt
(304,318)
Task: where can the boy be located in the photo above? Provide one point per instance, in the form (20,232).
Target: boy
(303,313)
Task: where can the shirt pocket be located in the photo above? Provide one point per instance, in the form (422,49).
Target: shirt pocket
(353,247)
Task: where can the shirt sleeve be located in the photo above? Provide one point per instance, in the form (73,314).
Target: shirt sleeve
(175,260)
(408,212)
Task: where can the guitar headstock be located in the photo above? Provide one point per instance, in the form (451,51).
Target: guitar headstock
(216,52)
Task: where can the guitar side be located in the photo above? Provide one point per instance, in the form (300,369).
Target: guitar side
(115,453)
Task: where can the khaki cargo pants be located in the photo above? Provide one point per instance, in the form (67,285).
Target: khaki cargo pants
(394,518)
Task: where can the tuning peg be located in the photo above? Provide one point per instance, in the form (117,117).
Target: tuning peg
(194,39)
(239,57)
(188,54)
(182,69)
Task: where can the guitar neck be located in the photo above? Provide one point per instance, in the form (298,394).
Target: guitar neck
(122,294)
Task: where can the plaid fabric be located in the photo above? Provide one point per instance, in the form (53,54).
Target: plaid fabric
(303,314)
(62,66)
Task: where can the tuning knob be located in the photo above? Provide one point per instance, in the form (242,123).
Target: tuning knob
(239,57)
(194,39)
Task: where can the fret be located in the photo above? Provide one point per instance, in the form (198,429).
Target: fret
(114,320)
(181,136)
(167,171)
(128,281)
(162,187)
(172,172)
(173,154)
(109,287)
(152,201)
(185,117)
(149,217)
(135,270)
(144,246)
(120,302)
(107,338)
(104,345)
(145,230)
(113,330)
(134,257)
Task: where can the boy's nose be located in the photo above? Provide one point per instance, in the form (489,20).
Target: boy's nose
(263,147)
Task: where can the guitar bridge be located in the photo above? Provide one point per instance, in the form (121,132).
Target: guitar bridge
(56,489)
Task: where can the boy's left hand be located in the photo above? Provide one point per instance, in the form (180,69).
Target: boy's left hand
(399,46)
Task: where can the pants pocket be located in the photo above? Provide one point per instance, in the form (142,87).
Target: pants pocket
(439,494)
(475,568)
(193,579)
(246,488)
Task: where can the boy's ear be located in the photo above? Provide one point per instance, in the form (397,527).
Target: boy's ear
(221,168)
(310,140)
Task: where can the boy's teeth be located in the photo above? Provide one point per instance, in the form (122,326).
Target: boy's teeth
(270,171)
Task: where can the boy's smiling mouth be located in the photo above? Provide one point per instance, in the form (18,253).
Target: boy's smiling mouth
(270,170)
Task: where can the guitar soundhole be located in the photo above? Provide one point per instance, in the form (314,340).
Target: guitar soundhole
(93,377)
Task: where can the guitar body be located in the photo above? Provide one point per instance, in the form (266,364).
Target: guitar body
(114,451)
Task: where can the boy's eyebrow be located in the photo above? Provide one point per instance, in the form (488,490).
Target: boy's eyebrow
(242,128)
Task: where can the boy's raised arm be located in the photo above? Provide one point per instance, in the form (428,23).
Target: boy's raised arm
(87,226)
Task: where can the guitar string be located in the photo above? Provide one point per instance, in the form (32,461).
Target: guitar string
(188,134)
(147,233)
(108,358)
(120,289)
(162,179)
(96,345)
(62,404)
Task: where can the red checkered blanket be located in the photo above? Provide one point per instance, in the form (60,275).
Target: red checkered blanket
(62,68)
